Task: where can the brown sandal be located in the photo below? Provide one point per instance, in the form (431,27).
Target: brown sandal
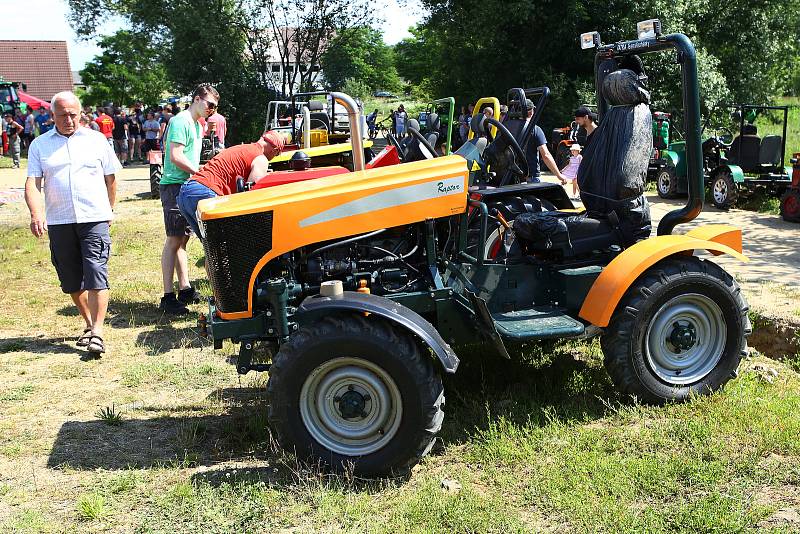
(83,339)
(96,344)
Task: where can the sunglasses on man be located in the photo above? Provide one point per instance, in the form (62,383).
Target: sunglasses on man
(211,105)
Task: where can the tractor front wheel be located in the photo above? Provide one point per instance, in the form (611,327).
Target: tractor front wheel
(680,329)
(667,183)
(723,190)
(355,391)
(790,205)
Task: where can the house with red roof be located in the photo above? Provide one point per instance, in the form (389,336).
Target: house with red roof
(42,66)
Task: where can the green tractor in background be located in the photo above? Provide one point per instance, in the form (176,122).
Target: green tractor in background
(732,164)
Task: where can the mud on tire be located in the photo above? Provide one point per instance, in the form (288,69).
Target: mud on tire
(661,345)
(355,391)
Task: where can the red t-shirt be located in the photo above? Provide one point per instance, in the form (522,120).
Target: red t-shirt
(221,172)
(106,125)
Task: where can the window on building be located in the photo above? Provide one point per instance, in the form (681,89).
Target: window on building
(276,68)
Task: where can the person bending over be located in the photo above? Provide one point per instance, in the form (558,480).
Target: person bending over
(218,176)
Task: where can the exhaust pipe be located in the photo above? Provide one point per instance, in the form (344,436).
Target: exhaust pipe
(306,128)
(356,135)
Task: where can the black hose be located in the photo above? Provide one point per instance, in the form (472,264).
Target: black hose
(344,242)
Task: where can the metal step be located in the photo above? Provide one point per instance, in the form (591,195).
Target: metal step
(536,323)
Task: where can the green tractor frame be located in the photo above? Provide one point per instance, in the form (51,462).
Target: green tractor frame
(363,287)
(732,165)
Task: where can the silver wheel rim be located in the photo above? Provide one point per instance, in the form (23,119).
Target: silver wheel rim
(720,191)
(685,339)
(351,406)
(664,182)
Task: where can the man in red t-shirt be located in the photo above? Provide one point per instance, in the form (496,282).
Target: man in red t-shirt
(218,176)
(106,124)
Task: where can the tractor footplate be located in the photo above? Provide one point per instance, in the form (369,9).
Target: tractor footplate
(536,323)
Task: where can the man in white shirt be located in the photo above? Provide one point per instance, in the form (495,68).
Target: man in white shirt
(75,167)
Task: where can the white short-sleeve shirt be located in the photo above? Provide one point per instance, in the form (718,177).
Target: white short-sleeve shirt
(73,170)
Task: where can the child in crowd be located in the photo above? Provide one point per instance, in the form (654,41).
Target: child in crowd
(570,171)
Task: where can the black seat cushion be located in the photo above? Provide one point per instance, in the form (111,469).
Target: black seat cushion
(565,234)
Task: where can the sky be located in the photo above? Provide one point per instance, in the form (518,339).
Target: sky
(47,20)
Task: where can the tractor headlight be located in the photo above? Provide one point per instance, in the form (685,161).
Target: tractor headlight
(590,40)
(648,29)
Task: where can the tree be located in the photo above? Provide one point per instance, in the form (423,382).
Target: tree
(125,72)
(359,54)
(300,31)
(198,41)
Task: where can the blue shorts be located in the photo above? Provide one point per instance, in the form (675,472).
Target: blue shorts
(80,253)
(191,193)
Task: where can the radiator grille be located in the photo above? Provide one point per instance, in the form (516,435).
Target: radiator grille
(233,246)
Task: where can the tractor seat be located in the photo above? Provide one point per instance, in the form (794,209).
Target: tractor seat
(566,235)
(432,129)
(769,155)
(744,152)
(318,115)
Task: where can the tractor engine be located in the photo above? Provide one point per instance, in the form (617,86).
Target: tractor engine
(382,262)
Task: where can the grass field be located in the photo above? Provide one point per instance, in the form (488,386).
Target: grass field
(162,435)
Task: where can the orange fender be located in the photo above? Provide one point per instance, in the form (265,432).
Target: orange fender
(617,276)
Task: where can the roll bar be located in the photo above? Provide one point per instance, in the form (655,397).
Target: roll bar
(687,59)
(353,116)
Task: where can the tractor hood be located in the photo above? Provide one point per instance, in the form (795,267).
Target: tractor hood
(245,230)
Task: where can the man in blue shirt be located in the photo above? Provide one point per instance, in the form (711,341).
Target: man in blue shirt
(536,151)
(44,121)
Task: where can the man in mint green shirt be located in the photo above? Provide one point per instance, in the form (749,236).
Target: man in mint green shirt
(182,144)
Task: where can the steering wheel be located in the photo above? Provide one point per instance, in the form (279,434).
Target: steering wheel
(424,142)
(724,133)
(519,155)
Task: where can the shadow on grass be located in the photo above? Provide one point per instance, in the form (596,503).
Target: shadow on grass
(40,345)
(165,337)
(557,387)
(240,432)
(144,195)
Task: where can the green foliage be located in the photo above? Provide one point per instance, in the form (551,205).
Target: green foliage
(125,71)
(359,54)
(110,415)
(91,506)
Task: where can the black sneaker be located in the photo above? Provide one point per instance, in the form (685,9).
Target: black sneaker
(170,305)
(189,296)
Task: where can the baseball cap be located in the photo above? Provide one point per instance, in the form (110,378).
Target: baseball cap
(583,111)
(275,139)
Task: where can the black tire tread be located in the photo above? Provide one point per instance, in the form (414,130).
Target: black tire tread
(733,194)
(617,339)
(427,379)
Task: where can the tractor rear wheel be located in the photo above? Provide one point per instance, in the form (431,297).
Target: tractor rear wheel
(355,391)
(681,329)
(790,205)
(723,190)
(667,182)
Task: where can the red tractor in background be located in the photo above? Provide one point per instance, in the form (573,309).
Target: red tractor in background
(790,200)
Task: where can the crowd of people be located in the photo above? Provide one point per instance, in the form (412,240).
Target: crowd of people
(132,132)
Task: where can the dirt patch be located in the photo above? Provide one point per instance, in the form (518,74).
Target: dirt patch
(788,499)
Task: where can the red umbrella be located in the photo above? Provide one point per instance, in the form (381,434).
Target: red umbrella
(32,101)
